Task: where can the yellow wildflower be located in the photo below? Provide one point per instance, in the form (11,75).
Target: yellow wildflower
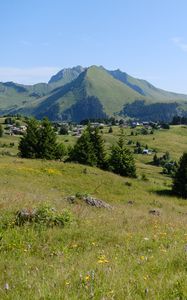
(103,260)
(87,278)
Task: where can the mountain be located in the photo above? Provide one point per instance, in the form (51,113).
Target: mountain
(65,76)
(146,89)
(79,93)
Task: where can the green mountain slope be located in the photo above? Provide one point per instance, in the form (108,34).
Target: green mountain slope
(94,94)
(12,96)
(145,88)
(78,93)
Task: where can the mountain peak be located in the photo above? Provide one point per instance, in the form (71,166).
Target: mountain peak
(65,76)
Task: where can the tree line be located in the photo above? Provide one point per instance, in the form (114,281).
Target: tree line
(40,141)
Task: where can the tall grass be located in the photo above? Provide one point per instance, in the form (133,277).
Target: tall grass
(123,253)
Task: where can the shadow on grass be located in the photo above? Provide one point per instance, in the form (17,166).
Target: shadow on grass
(150,163)
(165,192)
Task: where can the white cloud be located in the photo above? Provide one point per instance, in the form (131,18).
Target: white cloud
(180,43)
(27,75)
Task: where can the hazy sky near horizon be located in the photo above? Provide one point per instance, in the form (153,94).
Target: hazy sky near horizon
(145,38)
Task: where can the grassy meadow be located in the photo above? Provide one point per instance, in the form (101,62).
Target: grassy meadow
(103,254)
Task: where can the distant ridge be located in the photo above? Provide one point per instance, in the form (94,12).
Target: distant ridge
(77,93)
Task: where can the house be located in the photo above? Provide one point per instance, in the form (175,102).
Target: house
(147,152)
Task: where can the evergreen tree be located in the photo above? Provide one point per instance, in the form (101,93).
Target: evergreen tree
(121,160)
(47,143)
(156,160)
(180,178)
(29,142)
(60,151)
(64,130)
(1,130)
(39,141)
(166,156)
(9,120)
(98,146)
(110,130)
(83,151)
(89,149)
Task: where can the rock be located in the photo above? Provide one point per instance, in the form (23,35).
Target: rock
(25,215)
(96,202)
(154,212)
(130,202)
(89,200)
(71,199)
(6,286)
(85,171)
(146,291)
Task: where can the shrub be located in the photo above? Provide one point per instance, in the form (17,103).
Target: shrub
(144,177)
(165,126)
(44,215)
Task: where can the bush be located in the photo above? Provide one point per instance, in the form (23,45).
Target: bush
(170,168)
(144,131)
(165,126)
(144,177)
(44,215)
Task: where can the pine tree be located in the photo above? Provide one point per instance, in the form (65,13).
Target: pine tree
(89,149)
(29,142)
(64,130)
(180,178)
(47,143)
(98,146)
(1,130)
(110,130)
(83,151)
(121,160)
(156,160)
(39,141)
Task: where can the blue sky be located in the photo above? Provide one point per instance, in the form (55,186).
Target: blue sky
(145,38)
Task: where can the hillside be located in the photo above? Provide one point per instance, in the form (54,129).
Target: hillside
(94,94)
(122,253)
(79,93)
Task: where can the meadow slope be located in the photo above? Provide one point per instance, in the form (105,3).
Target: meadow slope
(122,253)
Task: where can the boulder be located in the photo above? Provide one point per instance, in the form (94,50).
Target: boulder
(96,202)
